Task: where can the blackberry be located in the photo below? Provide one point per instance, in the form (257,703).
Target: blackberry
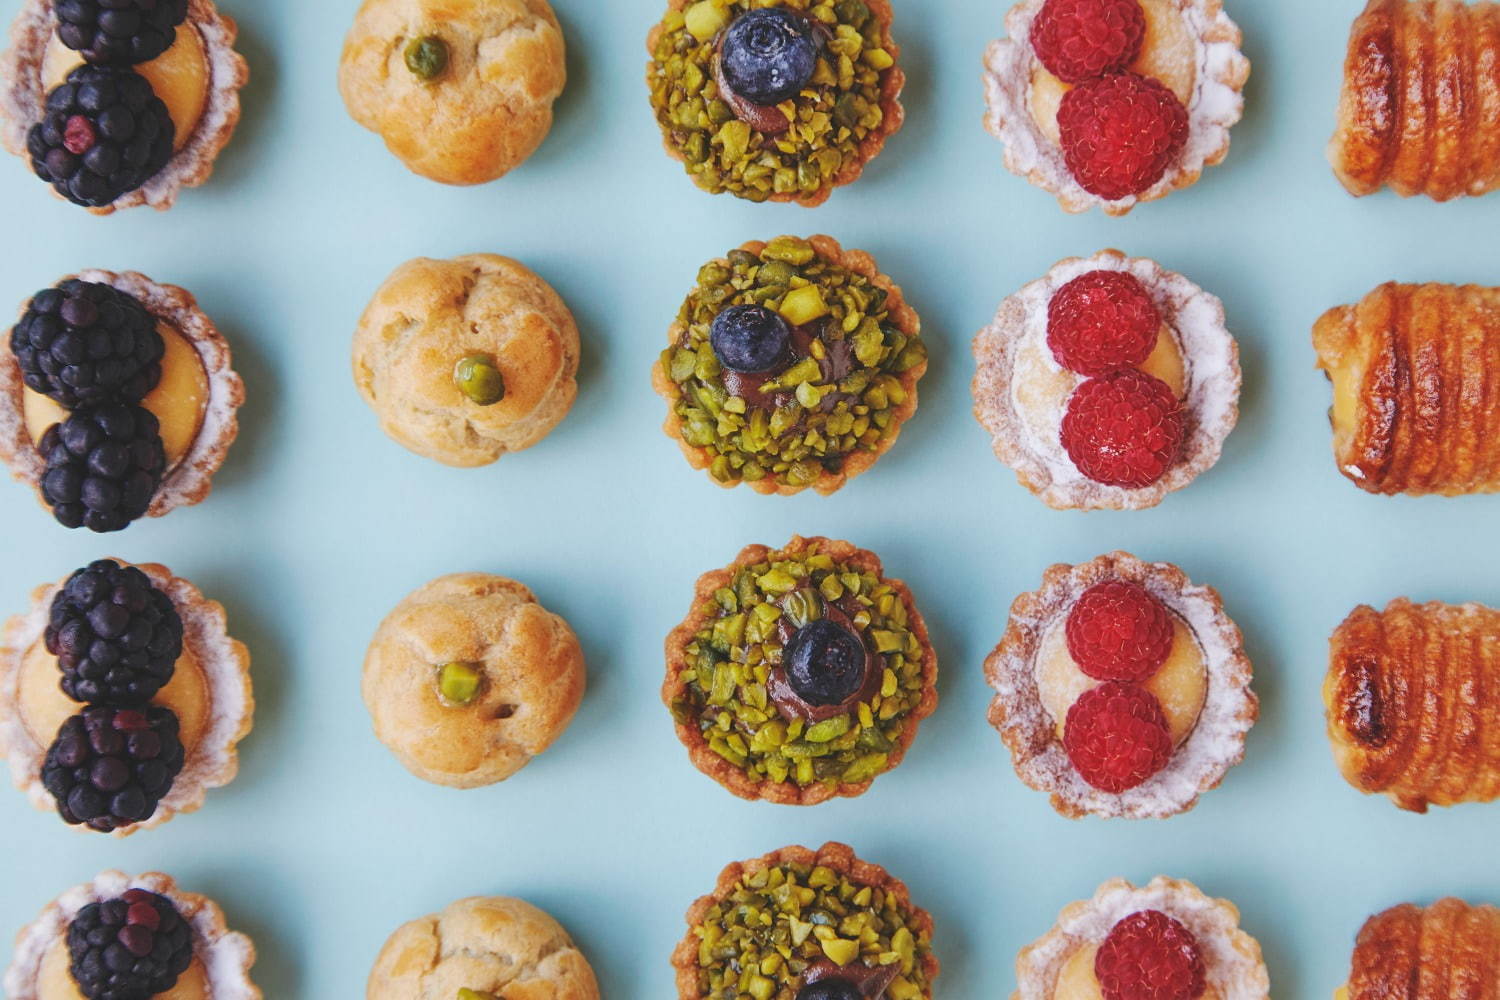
(119,32)
(104,464)
(85,342)
(130,948)
(116,637)
(104,133)
(109,767)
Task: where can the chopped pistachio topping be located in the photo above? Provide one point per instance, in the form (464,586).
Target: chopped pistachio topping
(478,378)
(459,683)
(427,57)
(468,994)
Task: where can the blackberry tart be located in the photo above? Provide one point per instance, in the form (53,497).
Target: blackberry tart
(119,105)
(122,697)
(122,936)
(801,674)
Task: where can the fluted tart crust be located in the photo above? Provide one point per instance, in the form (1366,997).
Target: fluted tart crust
(1446,951)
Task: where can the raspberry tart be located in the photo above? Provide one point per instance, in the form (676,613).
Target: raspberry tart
(1122,689)
(1162,941)
(122,697)
(1111,103)
(1108,383)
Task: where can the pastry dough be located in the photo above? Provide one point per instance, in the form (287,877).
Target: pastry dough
(1416,388)
(1448,951)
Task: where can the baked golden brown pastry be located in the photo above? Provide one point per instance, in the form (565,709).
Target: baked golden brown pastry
(1447,951)
(1416,390)
(1421,100)
(1410,694)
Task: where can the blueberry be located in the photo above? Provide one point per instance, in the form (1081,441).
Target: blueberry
(825,663)
(830,989)
(769,55)
(749,338)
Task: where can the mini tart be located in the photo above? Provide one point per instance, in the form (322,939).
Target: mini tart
(895,931)
(1060,964)
(709,428)
(221,958)
(199,78)
(1191,46)
(210,692)
(1204,690)
(1021,392)
(196,401)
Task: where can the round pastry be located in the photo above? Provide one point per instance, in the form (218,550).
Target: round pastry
(137,433)
(465,360)
(805,925)
(469,678)
(1114,102)
(1166,940)
(114,121)
(481,948)
(460,90)
(775,100)
(122,697)
(792,364)
(800,674)
(1108,383)
(1121,688)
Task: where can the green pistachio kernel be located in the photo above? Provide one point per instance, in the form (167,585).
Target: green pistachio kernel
(477,377)
(468,994)
(427,57)
(459,682)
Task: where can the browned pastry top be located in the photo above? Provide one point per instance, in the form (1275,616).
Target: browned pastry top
(1449,950)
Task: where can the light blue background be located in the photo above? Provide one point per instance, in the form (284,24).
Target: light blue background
(318,524)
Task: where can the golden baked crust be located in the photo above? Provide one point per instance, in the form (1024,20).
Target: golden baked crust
(533,681)
(489,110)
(427,316)
(1446,951)
(1420,100)
(839,858)
(673,688)
(1416,391)
(1412,710)
(902,315)
(491,944)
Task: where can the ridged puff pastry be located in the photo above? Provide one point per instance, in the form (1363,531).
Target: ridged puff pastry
(1448,951)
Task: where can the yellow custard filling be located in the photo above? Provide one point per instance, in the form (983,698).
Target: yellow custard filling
(55,982)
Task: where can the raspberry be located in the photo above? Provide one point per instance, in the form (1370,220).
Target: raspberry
(1150,956)
(1120,133)
(1079,40)
(1117,737)
(1119,632)
(1123,429)
(1100,321)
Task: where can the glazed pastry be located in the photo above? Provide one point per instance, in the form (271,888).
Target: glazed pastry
(765,931)
(1416,403)
(1420,101)
(1121,688)
(1409,710)
(1108,383)
(460,90)
(74,950)
(115,120)
(1111,103)
(466,360)
(820,666)
(775,100)
(1165,940)
(139,432)
(482,948)
(792,365)
(1448,950)
(128,650)
(469,678)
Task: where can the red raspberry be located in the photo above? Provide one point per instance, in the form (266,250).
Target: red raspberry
(1123,429)
(1119,632)
(1116,736)
(1150,956)
(1120,133)
(1100,321)
(1078,40)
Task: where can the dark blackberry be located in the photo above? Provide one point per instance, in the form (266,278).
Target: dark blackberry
(119,32)
(116,637)
(104,133)
(85,342)
(104,464)
(130,948)
(109,767)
